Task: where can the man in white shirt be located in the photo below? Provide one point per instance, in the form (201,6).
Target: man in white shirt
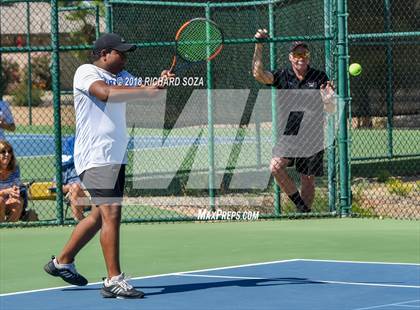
(100,158)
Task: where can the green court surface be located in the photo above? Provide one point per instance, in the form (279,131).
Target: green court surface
(43,129)
(163,248)
(374,142)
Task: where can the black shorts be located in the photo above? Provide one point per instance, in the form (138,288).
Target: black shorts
(312,165)
(105,184)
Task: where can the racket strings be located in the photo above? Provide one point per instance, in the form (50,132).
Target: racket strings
(199,41)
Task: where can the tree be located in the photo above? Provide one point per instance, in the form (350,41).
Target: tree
(84,32)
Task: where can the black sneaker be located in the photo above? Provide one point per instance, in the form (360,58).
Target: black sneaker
(118,287)
(304,209)
(70,275)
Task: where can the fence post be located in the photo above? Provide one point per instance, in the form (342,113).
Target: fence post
(343,101)
(97,23)
(389,79)
(55,74)
(28,44)
(331,118)
(273,53)
(210,124)
(108,16)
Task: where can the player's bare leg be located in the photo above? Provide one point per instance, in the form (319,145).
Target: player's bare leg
(278,167)
(2,209)
(110,237)
(307,191)
(14,209)
(115,285)
(278,170)
(63,266)
(82,234)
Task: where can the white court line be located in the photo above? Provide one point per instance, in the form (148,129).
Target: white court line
(156,276)
(316,281)
(386,305)
(38,136)
(370,284)
(222,277)
(35,156)
(357,262)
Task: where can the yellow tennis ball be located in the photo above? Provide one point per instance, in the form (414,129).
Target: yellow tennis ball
(355,69)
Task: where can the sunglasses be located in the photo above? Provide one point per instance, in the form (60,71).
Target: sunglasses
(301,54)
(3,152)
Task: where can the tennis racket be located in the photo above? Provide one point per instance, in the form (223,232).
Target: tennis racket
(197,41)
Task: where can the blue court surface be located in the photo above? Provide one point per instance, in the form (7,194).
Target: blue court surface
(292,284)
(44,145)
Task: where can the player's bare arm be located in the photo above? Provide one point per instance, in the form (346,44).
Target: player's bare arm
(328,97)
(115,93)
(261,75)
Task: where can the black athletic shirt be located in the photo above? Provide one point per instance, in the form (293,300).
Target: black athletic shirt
(287,79)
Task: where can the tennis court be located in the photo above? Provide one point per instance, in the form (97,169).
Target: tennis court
(43,145)
(289,284)
(348,253)
(36,151)
(321,264)
(27,145)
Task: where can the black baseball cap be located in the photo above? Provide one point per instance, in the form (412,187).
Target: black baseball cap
(112,41)
(297,44)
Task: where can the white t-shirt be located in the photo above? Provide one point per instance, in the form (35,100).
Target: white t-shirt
(101,133)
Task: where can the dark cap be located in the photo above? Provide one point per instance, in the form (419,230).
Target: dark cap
(297,44)
(112,41)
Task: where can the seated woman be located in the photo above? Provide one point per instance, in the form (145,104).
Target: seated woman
(11,203)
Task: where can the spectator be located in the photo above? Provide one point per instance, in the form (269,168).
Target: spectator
(72,186)
(6,119)
(11,202)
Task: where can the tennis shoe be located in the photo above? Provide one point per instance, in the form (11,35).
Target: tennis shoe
(118,287)
(304,209)
(68,273)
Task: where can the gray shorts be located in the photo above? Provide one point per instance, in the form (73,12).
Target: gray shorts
(105,184)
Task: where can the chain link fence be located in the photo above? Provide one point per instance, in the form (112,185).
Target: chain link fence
(385,149)
(242,121)
(27,88)
(175,146)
